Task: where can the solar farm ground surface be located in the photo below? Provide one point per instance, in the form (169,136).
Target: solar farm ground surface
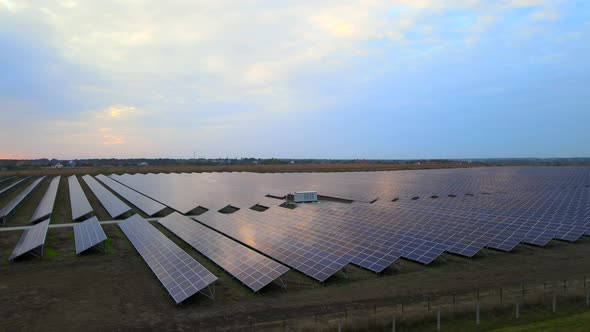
(117,289)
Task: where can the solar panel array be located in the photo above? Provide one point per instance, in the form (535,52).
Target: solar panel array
(15,202)
(142,202)
(185,192)
(79,203)
(460,211)
(416,215)
(297,250)
(181,275)
(251,268)
(114,206)
(31,240)
(13,185)
(88,234)
(2,180)
(45,207)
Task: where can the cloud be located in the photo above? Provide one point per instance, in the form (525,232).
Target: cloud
(545,15)
(217,65)
(113,125)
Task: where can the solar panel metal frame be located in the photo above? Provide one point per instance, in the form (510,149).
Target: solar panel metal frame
(45,207)
(248,266)
(14,185)
(179,273)
(32,239)
(15,202)
(7,178)
(88,234)
(114,206)
(142,202)
(297,252)
(80,206)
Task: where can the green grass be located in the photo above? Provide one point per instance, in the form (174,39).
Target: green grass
(574,318)
(108,244)
(574,322)
(50,252)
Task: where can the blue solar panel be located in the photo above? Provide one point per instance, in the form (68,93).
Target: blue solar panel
(181,275)
(251,268)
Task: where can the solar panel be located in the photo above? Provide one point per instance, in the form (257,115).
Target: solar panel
(144,203)
(181,275)
(394,234)
(88,234)
(251,268)
(12,186)
(15,202)
(79,203)
(6,179)
(112,203)
(46,205)
(303,253)
(32,241)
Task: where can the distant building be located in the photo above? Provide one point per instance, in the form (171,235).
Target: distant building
(58,165)
(142,164)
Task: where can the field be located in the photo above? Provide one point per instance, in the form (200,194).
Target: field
(116,289)
(345,167)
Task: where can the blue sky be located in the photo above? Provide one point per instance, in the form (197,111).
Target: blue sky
(395,79)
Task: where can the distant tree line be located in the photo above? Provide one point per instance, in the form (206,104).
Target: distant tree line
(44,162)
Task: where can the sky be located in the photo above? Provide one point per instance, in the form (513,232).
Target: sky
(399,79)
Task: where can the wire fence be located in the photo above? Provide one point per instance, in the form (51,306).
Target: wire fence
(431,312)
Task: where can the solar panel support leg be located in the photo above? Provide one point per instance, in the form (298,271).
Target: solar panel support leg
(279,281)
(211,291)
(343,273)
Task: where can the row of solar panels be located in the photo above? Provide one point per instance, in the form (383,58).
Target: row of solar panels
(249,267)
(184,192)
(87,234)
(181,275)
(80,206)
(320,240)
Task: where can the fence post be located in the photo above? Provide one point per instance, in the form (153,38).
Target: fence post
(438,320)
(553,303)
(477,313)
(564,286)
(339,325)
(393,324)
(375,315)
(517,311)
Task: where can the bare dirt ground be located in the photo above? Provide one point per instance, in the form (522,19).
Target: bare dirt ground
(117,291)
